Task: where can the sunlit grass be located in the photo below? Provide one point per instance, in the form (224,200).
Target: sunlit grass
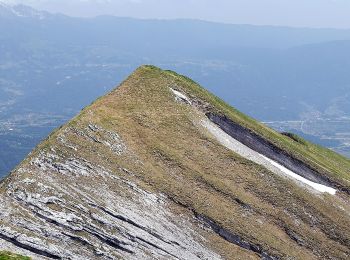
(5,255)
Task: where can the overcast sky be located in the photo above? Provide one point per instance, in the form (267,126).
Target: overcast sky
(297,13)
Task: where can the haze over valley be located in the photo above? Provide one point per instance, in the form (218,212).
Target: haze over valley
(51,66)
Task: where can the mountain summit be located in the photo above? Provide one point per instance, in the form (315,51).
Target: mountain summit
(161,169)
(12,11)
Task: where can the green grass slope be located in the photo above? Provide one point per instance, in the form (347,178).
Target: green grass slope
(324,160)
(172,155)
(4,255)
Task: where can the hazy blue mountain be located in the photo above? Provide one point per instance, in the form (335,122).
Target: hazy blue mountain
(15,11)
(51,66)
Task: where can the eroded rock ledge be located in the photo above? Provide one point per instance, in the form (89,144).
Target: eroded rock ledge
(60,212)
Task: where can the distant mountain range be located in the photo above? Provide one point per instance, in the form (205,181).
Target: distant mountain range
(52,65)
(15,11)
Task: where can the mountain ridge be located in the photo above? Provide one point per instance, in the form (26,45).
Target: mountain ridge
(20,10)
(46,64)
(136,174)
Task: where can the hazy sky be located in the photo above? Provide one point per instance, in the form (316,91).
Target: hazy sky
(301,13)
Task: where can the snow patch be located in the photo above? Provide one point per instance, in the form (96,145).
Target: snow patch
(246,152)
(180,96)
(316,186)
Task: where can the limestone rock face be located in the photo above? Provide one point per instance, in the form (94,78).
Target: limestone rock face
(73,209)
(137,176)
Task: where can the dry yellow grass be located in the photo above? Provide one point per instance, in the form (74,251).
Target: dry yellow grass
(172,155)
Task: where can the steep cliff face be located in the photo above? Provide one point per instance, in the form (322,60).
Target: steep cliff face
(138,175)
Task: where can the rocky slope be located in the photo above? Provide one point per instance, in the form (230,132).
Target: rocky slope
(138,175)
